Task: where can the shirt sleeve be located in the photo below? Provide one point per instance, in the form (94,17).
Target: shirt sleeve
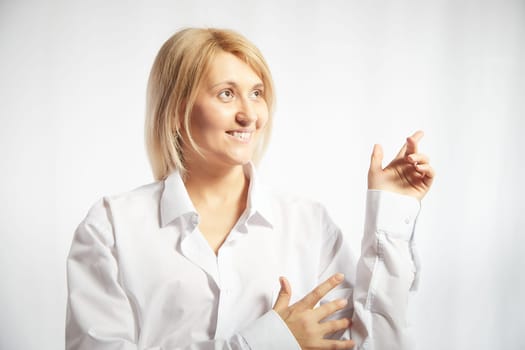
(385,272)
(100,316)
(270,332)
(379,285)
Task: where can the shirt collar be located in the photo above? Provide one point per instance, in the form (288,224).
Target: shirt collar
(259,201)
(176,202)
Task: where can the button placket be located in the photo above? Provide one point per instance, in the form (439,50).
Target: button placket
(226,271)
(195,247)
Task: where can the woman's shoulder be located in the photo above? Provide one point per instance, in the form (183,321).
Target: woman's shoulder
(143,193)
(142,198)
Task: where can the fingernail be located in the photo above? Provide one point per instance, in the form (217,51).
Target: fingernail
(342,302)
(281,281)
(339,277)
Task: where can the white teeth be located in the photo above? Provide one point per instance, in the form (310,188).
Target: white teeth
(241,135)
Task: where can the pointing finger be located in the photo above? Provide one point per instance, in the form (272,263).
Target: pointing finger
(402,151)
(412,142)
(312,298)
(408,147)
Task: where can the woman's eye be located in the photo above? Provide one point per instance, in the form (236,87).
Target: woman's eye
(226,94)
(256,93)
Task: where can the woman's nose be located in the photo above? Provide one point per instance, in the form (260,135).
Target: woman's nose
(246,114)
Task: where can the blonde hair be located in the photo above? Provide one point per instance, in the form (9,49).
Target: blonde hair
(173,84)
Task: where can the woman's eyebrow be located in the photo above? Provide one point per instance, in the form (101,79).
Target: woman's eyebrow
(232,83)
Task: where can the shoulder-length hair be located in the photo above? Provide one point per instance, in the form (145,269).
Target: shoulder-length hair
(173,84)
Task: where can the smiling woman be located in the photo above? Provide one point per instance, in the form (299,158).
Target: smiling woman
(229,115)
(192,260)
(195,64)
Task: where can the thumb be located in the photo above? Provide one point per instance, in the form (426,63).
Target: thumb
(283,300)
(376,161)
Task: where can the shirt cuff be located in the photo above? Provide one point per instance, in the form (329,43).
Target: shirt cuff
(392,213)
(269,332)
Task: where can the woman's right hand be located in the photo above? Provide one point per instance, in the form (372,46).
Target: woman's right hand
(305,320)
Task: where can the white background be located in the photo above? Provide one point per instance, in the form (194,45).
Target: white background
(348,74)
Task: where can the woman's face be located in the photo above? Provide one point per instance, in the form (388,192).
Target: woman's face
(229,113)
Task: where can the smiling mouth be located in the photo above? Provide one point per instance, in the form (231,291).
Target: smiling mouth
(240,135)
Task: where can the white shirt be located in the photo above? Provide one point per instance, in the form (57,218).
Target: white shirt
(142,276)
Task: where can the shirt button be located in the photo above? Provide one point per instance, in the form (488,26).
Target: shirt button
(407,221)
(195,219)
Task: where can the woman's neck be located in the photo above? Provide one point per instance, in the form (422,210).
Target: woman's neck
(212,186)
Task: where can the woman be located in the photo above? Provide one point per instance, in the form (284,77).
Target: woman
(192,260)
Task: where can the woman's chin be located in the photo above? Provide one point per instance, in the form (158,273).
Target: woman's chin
(240,158)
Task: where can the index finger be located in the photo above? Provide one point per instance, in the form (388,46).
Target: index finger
(412,142)
(410,145)
(312,298)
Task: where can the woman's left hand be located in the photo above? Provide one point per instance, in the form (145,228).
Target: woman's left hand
(409,173)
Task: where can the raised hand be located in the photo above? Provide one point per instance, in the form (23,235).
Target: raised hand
(409,173)
(305,321)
